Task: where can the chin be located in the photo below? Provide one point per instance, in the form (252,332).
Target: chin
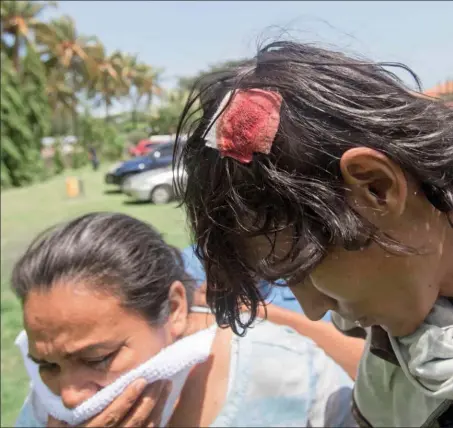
(400,330)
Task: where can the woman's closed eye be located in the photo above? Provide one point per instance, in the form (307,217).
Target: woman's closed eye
(45,366)
(100,363)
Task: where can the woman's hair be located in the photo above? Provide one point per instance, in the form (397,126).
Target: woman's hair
(331,103)
(110,252)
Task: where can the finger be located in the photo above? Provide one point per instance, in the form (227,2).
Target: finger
(155,418)
(144,405)
(118,409)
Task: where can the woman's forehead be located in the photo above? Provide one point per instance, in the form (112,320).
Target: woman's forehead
(71,308)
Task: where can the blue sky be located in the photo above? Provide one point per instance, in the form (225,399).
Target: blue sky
(185,37)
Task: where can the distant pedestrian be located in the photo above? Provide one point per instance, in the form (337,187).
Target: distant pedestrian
(93,158)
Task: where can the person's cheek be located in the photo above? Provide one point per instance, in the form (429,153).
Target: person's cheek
(51,381)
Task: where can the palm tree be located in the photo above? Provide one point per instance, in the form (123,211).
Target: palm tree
(61,97)
(18,18)
(140,80)
(148,85)
(107,83)
(63,48)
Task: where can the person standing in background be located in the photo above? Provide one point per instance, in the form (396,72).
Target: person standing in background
(93,158)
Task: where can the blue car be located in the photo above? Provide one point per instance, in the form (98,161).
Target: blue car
(161,156)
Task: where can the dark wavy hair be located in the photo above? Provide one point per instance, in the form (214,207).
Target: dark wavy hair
(331,103)
(112,252)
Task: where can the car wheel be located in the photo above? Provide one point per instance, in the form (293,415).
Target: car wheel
(161,194)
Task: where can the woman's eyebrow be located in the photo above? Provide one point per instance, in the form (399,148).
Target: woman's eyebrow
(89,348)
(94,347)
(36,360)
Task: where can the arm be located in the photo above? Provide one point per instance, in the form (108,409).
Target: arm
(346,351)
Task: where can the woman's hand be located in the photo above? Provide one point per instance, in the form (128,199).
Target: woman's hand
(138,406)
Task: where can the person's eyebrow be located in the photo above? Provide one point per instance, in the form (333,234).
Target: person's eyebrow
(94,347)
(36,360)
(107,345)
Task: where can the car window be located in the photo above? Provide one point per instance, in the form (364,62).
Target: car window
(161,150)
(166,151)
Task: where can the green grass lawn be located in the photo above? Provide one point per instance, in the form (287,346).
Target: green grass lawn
(24,213)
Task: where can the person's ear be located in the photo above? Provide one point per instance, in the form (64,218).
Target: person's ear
(179,310)
(376,185)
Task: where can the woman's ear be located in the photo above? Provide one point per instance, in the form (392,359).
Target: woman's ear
(177,299)
(376,185)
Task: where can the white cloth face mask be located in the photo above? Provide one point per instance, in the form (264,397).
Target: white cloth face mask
(172,363)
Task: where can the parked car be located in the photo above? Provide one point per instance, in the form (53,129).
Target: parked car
(160,156)
(143,147)
(155,186)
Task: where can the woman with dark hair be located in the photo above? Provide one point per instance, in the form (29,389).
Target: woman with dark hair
(109,319)
(328,172)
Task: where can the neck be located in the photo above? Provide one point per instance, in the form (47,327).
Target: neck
(205,390)
(446,282)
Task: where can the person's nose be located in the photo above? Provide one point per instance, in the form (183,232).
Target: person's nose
(314,303)
(74,390)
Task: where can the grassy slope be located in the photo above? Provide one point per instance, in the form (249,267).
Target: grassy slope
(24,213)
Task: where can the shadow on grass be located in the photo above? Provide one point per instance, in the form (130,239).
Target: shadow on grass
(132,202)
(112,192)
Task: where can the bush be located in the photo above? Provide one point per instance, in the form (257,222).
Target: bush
(79,157)
(114,150)
(58,161)
(135,136)
(104,137)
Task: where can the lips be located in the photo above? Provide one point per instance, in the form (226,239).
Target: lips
(364,322)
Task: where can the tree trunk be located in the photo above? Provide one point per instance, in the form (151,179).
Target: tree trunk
(107,98)
(149,100)
(135,103)
(16,52)
(75,124)
(134,117)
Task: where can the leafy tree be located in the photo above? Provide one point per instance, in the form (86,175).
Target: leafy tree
(103,136)
(166,118)
(107,83)
(62,100)
(18,18)
(79,156)
(25,120)
(139,82)
(58,159)
(63,48)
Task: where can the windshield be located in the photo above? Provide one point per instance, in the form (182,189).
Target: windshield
(161,150)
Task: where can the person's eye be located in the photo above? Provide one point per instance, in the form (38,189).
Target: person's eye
(48,367)
(101,363)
